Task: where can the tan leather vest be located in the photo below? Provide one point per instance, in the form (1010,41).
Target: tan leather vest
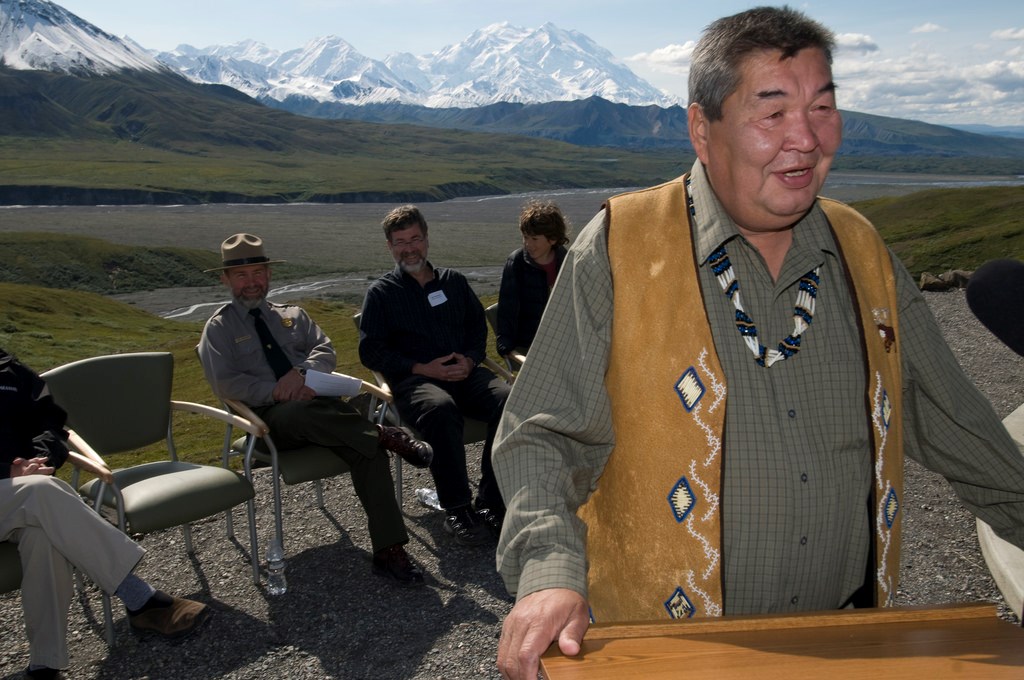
(654,529)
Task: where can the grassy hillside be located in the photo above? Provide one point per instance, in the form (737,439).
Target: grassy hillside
(869,141)
(157,134)
(85,263)
(47,327)
(439,165)
(95,265)
(934,231)
(941,229)
(142,137)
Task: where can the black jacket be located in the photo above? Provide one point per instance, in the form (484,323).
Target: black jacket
(521,300)
(31,424)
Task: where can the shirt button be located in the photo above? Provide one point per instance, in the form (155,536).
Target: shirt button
(803,540)
(792,413)
(803,477)
(794,600)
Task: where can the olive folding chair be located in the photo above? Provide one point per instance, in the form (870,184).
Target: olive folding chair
(120,403)
(311,463)
(514,360)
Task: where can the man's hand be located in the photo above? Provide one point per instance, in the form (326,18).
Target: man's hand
(534,623)
(449,368)
(21,467)
(292,387)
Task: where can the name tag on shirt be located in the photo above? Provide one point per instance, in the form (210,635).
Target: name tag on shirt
(437,298)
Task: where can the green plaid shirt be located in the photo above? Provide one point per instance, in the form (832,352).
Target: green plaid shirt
(797,450)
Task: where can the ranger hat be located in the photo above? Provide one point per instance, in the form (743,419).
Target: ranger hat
(240,250)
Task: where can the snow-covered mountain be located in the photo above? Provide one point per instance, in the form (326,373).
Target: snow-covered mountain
(500,63)
(325,69)
(505,63)
(40,35)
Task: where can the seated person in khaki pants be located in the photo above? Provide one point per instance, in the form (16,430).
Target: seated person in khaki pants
(57,532)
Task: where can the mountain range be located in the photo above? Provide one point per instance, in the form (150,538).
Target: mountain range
(63,78)
(499,63)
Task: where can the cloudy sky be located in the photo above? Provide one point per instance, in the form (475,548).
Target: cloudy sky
(940,61)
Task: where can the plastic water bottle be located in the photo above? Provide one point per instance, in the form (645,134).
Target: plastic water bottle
(277,584)
(428,497)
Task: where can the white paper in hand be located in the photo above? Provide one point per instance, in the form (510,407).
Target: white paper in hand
(332,384)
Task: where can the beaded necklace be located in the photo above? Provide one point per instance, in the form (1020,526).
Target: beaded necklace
(803,308)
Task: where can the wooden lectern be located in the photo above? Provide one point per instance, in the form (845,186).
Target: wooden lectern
(961,641)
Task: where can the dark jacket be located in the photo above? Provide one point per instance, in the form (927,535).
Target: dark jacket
(31,424)
(404,323)
(521,299)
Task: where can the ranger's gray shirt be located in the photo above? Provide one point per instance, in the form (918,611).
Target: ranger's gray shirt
(233,358)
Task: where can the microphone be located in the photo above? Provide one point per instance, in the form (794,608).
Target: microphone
(995,294)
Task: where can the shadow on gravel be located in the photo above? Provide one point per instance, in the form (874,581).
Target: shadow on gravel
(336,616)
(452,559)
(337,620)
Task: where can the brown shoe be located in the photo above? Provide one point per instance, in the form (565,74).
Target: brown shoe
(176,620)
(416,452)
(394,563)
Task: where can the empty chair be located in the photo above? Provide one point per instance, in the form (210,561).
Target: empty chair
(120,403)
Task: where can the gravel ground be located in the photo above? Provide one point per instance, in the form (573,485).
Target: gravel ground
(339,621)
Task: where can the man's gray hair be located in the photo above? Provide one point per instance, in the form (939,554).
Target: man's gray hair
(726,42)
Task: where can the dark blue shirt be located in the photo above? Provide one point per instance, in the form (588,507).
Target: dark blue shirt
(404,323)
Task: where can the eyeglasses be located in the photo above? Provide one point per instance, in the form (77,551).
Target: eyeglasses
(415,241)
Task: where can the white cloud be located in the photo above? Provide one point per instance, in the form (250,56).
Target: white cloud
(924,85)
(928,27)
(918,81)
(855,42)
(1009,34)
(673,59)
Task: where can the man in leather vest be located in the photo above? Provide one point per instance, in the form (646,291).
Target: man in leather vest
(717,403)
